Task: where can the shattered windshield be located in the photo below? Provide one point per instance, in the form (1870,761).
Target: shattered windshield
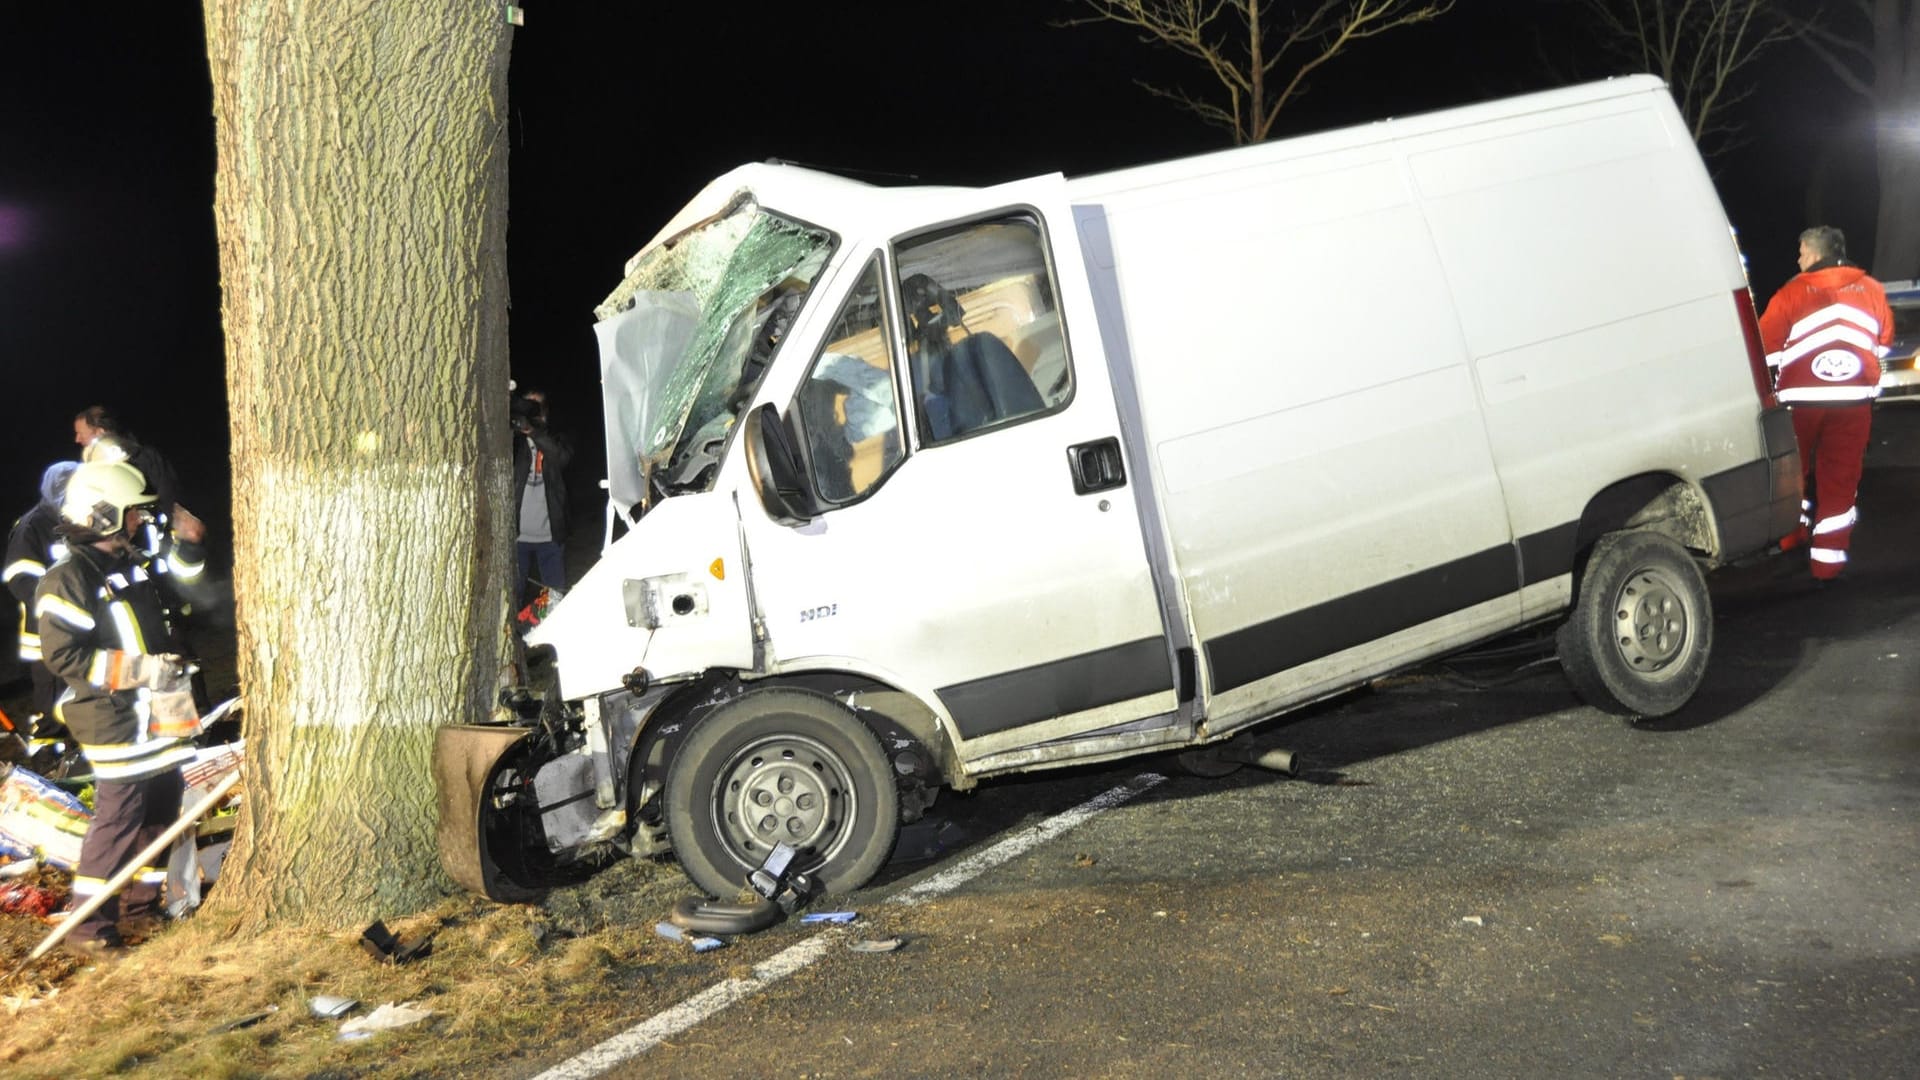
(686,338)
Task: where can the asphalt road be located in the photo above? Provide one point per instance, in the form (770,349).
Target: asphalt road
(1468,882)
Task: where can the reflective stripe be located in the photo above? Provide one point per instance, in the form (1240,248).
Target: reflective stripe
(86,886)
(1837,522)
(30,647)
(1828,393)
(101,667)
(123,621)
(27,567)
(188,571)
(155,757)
(57,608)
(1829,555)
(1832,335)
(150,876)
(1836,313)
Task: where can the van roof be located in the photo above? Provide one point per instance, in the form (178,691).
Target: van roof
(827,199)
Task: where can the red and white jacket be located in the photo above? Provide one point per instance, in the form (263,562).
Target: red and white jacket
(1825,332)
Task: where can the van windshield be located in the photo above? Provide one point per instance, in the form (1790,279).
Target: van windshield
(686,338)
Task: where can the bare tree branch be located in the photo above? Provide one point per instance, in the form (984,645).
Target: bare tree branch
(1700,47)
(1261,38)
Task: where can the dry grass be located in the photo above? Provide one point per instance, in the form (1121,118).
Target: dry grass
(499,978)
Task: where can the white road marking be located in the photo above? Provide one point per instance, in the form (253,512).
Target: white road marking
(661,1026)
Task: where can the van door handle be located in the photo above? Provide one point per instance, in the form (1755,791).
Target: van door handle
(1096,466)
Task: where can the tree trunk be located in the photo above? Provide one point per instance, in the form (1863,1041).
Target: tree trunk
(1896,238)
(362,211)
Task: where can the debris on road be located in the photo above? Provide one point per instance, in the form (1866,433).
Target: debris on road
(1473,920)
(836,917)
(875,945)
(387,949)
(330,1007)
(388,1017)
(246,1021)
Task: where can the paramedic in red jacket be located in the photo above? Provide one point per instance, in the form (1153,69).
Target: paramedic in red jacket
(1825,332)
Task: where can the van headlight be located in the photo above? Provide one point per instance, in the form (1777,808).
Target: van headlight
(662,601)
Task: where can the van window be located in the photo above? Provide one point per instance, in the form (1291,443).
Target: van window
(849,416)
(984,342)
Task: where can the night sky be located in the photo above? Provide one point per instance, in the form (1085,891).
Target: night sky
(109,287)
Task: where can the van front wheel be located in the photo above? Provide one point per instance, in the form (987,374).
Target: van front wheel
(777,766)
(1637,641)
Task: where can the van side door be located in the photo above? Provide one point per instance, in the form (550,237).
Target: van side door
(978,543)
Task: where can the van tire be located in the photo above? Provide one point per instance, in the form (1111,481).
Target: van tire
(781,765)
(1637,641)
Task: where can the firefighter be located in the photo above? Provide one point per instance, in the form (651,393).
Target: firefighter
(32,547)
(1824,333)
(100,615)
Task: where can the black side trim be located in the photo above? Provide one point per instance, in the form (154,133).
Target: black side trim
(1298,637)
(1059,688)
(1756,503)
(1548,553)
(1188,683)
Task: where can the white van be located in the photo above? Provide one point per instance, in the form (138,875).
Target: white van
(944,483)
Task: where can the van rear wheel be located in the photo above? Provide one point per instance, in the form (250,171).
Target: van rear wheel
(777,766)
(1637,641)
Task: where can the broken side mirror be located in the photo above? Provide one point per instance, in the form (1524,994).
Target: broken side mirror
(776,470)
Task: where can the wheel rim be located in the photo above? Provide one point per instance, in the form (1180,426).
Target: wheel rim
(784,789)
(1652,622)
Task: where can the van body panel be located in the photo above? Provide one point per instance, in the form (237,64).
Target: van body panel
(974,568)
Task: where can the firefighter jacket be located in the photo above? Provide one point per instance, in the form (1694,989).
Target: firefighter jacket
(96,612)
(32,547)
(1824,333)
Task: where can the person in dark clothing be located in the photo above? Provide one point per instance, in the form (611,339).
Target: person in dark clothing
(100,616)
(32,547)
(101,437)
(540,459)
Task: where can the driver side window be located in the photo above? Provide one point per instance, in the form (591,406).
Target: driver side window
(849,417)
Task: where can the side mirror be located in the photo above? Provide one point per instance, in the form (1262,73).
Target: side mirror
(776,471)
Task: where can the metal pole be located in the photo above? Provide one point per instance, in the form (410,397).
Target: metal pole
(127,872)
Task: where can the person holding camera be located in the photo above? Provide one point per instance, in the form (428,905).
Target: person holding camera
(540,491)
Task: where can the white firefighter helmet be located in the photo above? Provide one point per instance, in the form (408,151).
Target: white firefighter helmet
(100,493)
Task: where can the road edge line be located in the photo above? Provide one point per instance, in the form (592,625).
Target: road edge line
(690,1011)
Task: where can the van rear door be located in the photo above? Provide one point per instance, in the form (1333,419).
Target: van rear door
(979,545)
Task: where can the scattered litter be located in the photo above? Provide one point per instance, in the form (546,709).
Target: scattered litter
(875,945)
(21,898)
(38,818)
(384,947)
(830,917)
(245,1021)
(1473,920)
(330,1007)
(19,868)
(387,1017)
(674,933)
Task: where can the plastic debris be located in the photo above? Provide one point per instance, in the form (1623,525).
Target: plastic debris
(836,917)
(1473,920)
(330,1006)
(674,933)
(387,1017)
(875,945)
(38,818)
(384,947)
(245,1021)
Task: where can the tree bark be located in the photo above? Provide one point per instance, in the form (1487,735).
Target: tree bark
(361,202)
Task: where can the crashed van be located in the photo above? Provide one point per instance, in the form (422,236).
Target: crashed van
(919,486)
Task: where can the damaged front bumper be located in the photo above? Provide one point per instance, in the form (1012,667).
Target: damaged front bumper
(521,805)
